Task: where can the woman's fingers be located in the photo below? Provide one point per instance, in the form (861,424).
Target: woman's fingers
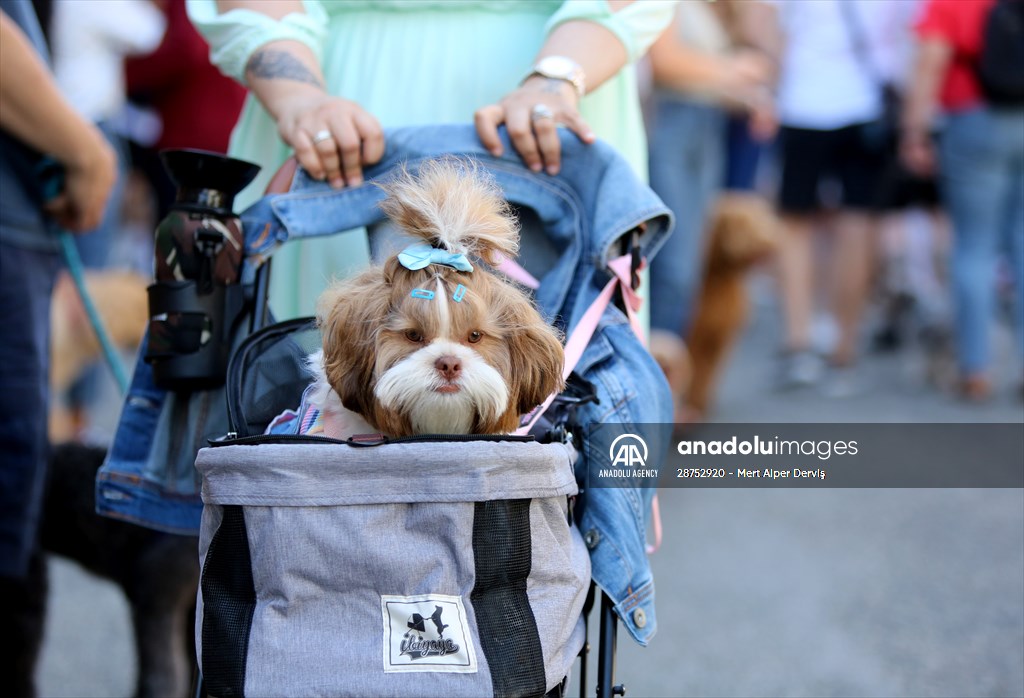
(546,130)
(487,119)
(532,114)
(333,139)
(305,152)
(372,137)
(578,125)
(326,145)
(520,132)
(347,144)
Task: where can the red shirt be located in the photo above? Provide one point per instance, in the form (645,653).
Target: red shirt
(958,23)
(197,104)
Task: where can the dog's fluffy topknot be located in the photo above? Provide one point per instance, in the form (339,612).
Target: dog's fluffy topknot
(453,205)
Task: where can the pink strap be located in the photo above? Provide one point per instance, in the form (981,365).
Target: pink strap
(656,523)
(581,336)
(515,272)
(585,328)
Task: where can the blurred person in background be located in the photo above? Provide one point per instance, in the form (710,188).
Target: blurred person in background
(327,78)
(752,25)
(698,78)
(197,105)
(89,40)
(829,99)
(910,284)
(35,119)
(980,159)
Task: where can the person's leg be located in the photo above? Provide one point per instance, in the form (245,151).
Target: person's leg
(975,187)
(26,282)
(856,229)
(795,268)
(851,268)
(1011,129)
(742,155)
(803,157)
(686,161)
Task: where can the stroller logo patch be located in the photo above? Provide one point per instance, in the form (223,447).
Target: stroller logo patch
(429,632)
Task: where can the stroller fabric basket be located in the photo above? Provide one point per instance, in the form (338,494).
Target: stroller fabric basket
(409,568)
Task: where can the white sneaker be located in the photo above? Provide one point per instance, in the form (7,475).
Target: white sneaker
(798,369)
(842,382)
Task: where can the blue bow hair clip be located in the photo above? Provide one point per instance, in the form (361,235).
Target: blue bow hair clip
(422,254)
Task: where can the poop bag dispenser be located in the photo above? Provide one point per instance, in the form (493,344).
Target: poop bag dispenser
(197,297)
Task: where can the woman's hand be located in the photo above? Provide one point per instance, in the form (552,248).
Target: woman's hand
(89,177)
(333,138)
(532,113)
(917,151)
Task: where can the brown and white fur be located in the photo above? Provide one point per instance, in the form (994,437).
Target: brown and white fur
(406,365)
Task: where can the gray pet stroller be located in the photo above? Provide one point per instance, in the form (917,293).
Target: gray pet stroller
(460,567)
(432,565)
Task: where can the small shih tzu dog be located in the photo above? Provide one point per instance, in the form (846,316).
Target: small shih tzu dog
(430,342)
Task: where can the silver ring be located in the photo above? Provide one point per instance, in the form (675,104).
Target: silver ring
(322,135)
(541,111)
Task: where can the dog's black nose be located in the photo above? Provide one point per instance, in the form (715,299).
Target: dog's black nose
(449,366)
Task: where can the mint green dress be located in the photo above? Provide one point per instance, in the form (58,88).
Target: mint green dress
(411,62)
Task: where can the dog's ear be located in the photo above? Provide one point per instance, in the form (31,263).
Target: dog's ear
(349,314)
(537,359)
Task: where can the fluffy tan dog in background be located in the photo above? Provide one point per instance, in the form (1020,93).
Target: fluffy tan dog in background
(743,231)
(120,300)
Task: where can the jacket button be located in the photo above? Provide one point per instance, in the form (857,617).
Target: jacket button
(639,617)
(592,538)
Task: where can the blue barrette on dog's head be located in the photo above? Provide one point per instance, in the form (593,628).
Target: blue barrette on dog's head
(422,255)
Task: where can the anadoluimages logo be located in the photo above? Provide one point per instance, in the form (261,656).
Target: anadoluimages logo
(628,451)
(428,632)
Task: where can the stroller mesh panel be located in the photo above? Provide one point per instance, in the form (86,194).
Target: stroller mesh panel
(230,600)
(508,630)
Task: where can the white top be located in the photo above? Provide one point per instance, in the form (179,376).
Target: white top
(824,82)
(90,40)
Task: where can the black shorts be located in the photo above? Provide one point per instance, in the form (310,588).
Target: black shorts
(811,157)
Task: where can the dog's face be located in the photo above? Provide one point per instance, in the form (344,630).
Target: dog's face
(437,350)
(743,231)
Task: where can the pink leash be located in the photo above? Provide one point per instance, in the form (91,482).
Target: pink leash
(581,335)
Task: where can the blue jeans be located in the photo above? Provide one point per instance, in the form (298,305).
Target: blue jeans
(743,154)
(26,284)
(982,157)
(687,160)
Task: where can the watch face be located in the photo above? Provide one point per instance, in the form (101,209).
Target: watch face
(557,65)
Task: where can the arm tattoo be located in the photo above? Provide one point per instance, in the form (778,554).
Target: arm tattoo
(271,64)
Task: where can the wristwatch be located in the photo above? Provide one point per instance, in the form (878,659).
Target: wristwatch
(561,68)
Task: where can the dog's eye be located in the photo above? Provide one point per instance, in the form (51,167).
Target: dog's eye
(414,336)
(475,336)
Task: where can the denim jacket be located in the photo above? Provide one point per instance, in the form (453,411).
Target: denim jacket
(571,227)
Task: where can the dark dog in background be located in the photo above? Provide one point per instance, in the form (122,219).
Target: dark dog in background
(159,572)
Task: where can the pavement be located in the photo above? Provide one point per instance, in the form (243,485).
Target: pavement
(763,592)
